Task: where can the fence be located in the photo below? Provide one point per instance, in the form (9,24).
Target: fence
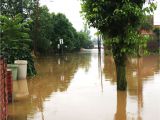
(3,90)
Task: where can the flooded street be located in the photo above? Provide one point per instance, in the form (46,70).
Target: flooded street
(82,86)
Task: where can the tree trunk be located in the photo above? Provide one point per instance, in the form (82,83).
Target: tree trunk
(121,73)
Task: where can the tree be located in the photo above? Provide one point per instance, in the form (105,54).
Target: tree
(15,43)
(35,27)
(15,31)
(43,43)
(57,27)
(63,29)
(14,7)
(84,40)
(26,8)
(147,23)
(118,20)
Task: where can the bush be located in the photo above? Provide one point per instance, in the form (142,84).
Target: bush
(15,43)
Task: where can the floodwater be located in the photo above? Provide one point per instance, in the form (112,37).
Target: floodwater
(82,86)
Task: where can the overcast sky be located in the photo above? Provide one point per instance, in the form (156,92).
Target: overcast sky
(72,8)
(157,14)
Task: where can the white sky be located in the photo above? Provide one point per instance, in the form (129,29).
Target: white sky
(157,14)
(71,8)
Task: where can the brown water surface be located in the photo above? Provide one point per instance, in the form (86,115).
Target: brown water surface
(82,86)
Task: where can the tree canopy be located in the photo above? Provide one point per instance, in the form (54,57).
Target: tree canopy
(118,21)
(58,27)
(26,26)
(14,7)
(15,41)
(46,28)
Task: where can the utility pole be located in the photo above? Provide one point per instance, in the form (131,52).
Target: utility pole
(36,25)
(99,43)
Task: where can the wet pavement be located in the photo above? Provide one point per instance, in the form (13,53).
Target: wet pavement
(82,86)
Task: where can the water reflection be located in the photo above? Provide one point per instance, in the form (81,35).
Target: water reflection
(20,89)
(139,71)
(82,86)
(121,105)
(54,75)
(100,55)
(21,95)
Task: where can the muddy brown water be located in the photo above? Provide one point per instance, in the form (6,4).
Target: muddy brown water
(82,86)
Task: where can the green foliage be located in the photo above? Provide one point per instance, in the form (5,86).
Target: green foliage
(157,32)
(45,30)
(15,43)
(147,23)
(119,21)
(84,40)
(63,29)
(57,27)
(154,43)
(14,7)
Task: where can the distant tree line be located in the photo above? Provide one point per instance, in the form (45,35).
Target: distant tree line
(56,26)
